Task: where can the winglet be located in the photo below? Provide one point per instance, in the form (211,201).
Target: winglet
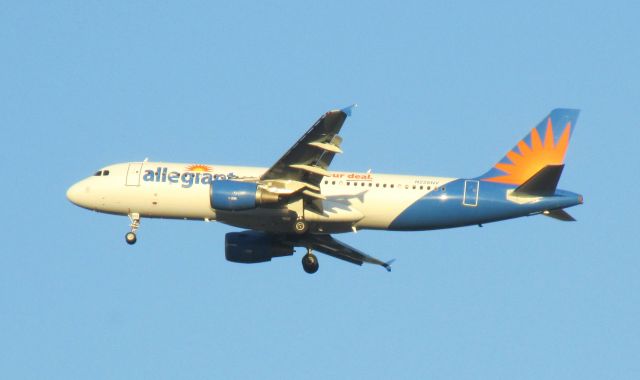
(387,265)
(349,110)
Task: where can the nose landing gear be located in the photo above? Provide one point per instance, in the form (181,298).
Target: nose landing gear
(130,237)
(310,262)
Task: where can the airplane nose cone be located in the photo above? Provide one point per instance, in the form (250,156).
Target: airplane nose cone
(73,194)
(76,194)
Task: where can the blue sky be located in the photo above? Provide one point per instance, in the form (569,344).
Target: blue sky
(443,88)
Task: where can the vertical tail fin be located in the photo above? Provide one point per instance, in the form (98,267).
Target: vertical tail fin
(545,145)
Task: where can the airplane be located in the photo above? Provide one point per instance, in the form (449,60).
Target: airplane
(298,202)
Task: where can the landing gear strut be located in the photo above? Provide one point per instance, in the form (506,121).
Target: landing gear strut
(130,237)
(310,262)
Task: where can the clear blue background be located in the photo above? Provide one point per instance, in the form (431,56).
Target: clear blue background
(444,88)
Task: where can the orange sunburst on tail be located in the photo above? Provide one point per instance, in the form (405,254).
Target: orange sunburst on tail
(535,151)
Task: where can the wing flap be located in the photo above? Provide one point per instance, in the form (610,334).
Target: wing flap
(309,158)
(311,169)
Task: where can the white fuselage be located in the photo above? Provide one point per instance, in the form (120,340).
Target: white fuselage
(182,191)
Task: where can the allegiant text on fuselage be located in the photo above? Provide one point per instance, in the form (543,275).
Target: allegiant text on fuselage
(186,179)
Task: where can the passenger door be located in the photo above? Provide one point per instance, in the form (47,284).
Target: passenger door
(471,190)
(133,173)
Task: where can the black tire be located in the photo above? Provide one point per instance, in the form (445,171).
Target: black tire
(300,227)
(310,263)
(130,238)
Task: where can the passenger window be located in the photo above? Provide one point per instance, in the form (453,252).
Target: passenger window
(362,184)
(442,188)
(421,187)
(98,173)
(385,185)
(348,183)
(370,184)
(406,187)
(377,185)
(428,187)
(333,182)
(414,187)
(106,172)
(391,186)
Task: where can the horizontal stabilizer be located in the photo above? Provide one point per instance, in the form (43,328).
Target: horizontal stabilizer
(541,184)
(560,214)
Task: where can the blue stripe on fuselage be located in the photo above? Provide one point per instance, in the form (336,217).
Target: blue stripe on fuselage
(445,209)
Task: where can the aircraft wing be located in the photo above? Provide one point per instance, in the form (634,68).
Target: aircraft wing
(332,247)
(309,158)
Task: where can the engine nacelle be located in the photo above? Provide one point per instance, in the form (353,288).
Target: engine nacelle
(235,195)
(250,247)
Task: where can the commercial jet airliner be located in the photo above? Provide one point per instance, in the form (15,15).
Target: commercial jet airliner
(298,202)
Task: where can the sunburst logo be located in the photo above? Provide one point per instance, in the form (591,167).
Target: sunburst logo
(199,168)
(525,160)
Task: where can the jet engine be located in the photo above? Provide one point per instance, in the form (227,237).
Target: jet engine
(230,195)
(250,247)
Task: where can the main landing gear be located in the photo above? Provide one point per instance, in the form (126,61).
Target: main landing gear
(300,226)
(130,237)
(310,262)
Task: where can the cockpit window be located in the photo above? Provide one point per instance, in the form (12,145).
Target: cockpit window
(105,172)
(98,173)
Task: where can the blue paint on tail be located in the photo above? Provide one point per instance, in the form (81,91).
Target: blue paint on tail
(450,208)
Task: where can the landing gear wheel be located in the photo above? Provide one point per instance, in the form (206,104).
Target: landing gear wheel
(310,263)
(300,227)
(131,238)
